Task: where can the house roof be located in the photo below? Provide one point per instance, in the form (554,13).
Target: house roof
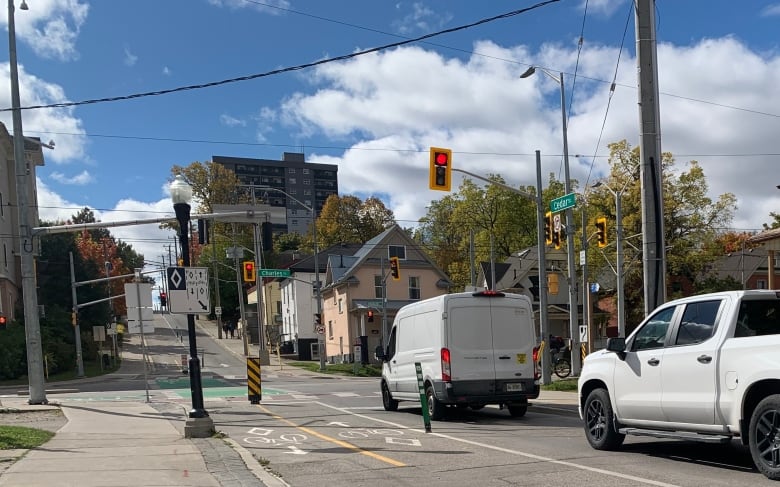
(307,264)
(343,271)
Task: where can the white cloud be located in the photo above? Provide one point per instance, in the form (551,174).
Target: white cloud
(421,19)
(771,10)
(130,58)
(80,179)
(50,27)
(146,239)
(166,71)
(231,121)
(35,91)
(494,121)
(237,4)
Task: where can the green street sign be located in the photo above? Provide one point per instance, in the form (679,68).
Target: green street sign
(563,203)
(274,272)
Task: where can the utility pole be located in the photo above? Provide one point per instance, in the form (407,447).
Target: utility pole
(654,250)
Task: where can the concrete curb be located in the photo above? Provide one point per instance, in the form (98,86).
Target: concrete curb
(254,466)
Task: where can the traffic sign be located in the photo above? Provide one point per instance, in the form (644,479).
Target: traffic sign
(275,273)
(563,203)
(188,290)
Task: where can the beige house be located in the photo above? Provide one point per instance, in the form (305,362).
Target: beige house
(10,264)
(360,297)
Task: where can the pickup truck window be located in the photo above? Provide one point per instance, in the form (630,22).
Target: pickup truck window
(653,333)
(698,322)
(758,317)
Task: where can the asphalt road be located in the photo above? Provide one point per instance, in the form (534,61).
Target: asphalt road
(327,430)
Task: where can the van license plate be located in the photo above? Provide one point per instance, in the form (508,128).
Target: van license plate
(514,387)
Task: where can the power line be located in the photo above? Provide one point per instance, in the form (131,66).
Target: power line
(287,69)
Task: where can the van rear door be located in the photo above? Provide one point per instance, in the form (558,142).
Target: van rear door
(513,339)
(491,340)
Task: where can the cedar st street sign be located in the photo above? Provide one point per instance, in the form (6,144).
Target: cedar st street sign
(563,203)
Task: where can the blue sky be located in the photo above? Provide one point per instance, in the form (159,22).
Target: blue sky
(376,115)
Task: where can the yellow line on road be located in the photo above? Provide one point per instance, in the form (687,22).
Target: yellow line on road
(340,443)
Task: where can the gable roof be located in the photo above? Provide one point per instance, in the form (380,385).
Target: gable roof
(341,272)
(307,264)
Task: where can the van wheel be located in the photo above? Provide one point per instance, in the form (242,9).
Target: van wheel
(388,402)
(518,409)
(765,436)
(435,408)
(600,428)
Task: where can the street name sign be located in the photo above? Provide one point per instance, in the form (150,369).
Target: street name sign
(563,203)
(188,290)
(275,273)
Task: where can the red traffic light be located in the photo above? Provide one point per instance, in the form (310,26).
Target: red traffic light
(441,158)
(2,321)
(370,315)
(249,266)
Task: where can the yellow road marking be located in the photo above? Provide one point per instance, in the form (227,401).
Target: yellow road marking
(340,443)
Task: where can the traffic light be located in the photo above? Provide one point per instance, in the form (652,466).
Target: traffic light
(601,231)
(318,323)
(440,169)
(370,315)
(3,322)
(395,269)
(548,228)
(249,271)
(163,300)
(74,319)
(556,239)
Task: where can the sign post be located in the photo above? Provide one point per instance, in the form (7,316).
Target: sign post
(423,398)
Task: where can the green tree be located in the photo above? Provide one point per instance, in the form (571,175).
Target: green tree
(348,219)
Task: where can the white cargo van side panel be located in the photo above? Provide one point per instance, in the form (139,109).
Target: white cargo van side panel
(419,340)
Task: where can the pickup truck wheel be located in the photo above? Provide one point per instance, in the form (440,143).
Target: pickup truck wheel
(435,408)
(388,402)
(765,436)
(600,422)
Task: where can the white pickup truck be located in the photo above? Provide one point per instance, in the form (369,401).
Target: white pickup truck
(703,368)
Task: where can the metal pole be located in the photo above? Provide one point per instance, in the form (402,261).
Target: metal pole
(76,325)
(141,325)
(585,287)
(573,320)
(198,411)
(216,285)
(385,331)
(540,244)
(244,334)
(318,288)
(258,291)
(621,304)
(32,326)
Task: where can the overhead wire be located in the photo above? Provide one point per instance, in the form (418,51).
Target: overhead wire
(288,69)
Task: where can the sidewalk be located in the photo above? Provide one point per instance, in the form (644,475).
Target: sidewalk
(122,443)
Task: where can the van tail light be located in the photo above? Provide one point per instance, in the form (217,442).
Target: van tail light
(537,374)
(446,371)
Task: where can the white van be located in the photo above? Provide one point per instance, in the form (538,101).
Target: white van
(474,348)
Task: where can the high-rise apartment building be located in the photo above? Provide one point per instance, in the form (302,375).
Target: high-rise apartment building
(307,182)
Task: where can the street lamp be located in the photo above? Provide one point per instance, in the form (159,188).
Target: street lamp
(573,319)
(181,195)
(317,286)
(621,304)
(32,325)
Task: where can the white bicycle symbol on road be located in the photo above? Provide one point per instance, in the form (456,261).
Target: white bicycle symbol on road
(356,433)
(261,437)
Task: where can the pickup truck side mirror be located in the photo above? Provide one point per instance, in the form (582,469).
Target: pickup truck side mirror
(379,353)
(617,345)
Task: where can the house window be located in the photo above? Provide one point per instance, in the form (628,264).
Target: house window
(307,192)
(291,170)
(341,309)
(397,251)
(293,191)
(294,222)
(292,181)
(760,284)
(305,170)
(378,287)
(414,287)
(307,181)
(330,329)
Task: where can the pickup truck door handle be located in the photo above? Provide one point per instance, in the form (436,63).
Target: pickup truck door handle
(705,359)
(504,357)
(653,361)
